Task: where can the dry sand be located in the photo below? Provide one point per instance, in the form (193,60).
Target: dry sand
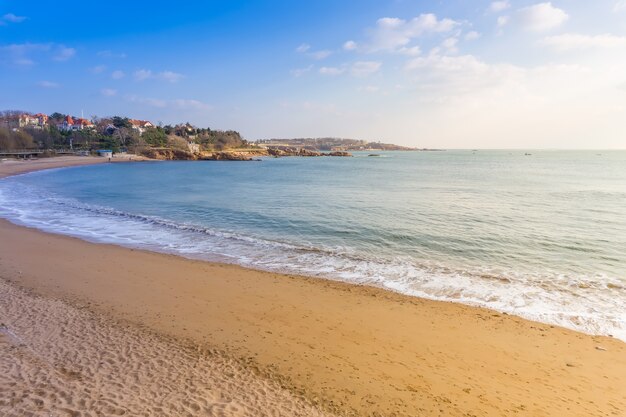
(63,361)
(346,348)
(20,166)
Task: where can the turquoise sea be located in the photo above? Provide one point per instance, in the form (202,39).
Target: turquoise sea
(542,236)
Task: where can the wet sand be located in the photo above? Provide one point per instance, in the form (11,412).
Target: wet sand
(349,349)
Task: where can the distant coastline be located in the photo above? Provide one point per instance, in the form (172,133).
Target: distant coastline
(25,135)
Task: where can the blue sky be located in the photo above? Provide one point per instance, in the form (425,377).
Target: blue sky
(456,74)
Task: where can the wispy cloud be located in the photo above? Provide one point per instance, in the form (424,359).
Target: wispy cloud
(573,41)
(332,71)
(10,17)
(359,69)
(392,34)
(117,75)
(302,48)
(620,6)
(48,84)
(21,54)
(169,76)
(108,92)
(365,68)
(191,104)
(299,72)
(472,35)
(319,55)
(152,102)
(305,49)
(98,69)
(63,53)
(110,54)
(499,6)
(179,103)
(369,89)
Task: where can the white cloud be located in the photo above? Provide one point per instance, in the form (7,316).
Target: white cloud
(502,21)
(108,92)
(391,33)
(620,6)
(504,105)
(541,17)
(117,75)
(450,44)
(24,62)
(303,48)
(143,74)
(98,69)
(410,51)
(365,68)
(446,64)
(153,102)
(169,76)
(179,103)
(298,72)
(369,89)
(10,17)
(190,104)
(48,84)
(471,36)
(573,41)
(350,45)
(331,70)
(28,54)
(63,53)
(109,54)
(498,6)
(318,55)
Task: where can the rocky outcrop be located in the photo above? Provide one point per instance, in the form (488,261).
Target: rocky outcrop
(227,156)
(232,155)
(339,153)
(167,154)
(278,152)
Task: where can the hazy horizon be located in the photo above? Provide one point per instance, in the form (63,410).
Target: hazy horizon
(490,75)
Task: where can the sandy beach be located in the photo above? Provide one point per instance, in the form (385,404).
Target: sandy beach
(94,329)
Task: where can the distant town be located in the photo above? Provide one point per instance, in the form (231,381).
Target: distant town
(28,134)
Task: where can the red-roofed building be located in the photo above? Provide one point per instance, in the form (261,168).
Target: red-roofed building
(140,125)
(79,124)
(35,121)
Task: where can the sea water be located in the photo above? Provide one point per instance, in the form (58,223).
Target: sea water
(542,236)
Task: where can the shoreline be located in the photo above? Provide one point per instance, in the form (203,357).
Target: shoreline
(350,347)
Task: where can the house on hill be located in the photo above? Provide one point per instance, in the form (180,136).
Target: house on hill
(140,125)
(71,124)
(35,121)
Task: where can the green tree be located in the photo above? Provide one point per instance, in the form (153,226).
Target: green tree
(119,121)
(155,136)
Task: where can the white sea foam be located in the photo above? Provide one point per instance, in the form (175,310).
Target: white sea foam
(589,304)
